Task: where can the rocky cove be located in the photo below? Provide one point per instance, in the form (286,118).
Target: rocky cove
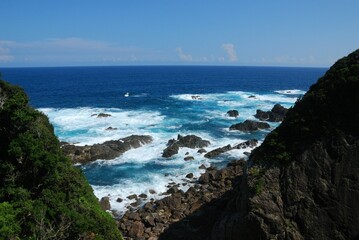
(302,182)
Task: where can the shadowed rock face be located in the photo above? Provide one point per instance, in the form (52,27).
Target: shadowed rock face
(277,114)
(190,141)
(249,126)
(107,150)
(303,181)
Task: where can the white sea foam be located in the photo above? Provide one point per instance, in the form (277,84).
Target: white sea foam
(290,92)
(80,125)
(76,125)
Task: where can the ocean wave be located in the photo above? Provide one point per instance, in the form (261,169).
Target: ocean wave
(82,126)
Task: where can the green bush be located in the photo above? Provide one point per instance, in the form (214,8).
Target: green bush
(42,195)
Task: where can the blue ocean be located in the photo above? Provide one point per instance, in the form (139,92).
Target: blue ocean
(156,101)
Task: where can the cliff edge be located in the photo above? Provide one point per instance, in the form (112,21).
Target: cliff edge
(303,181)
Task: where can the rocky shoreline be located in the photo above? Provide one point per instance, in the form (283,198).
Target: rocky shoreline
(152,221)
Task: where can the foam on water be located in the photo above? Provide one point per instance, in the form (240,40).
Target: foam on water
(143,169)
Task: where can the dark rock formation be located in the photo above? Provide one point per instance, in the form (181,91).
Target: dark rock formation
(303,181)
(249,126)
(190,141)
(103,115)
(214,153)
(277,114)
(233,113)
(111,129)
(107,150)
(155,217)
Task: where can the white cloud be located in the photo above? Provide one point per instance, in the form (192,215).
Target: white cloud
(5,55)
(73,51)
(183,56)
(231,52)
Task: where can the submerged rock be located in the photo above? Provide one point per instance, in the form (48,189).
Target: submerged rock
(249,126)
(103,115)
(107,150)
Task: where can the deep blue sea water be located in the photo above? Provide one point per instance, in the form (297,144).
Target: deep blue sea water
(159,104)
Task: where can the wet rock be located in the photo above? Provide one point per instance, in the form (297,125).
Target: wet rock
(107,150)
(189,158)
(151,191)
(142,195)
(277,114)
(202,166)
(119,200)
(189,175)
(103,115)
(202,150)
(233,113)
(247,144)
(218,151)
(132,196)
(249,126)
(190,141)
(110,129)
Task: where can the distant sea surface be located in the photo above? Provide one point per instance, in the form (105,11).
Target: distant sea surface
(156,101)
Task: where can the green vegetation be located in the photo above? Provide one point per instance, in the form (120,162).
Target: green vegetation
(42,196)
(328,110)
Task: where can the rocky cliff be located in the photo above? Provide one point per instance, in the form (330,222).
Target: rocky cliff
(303,181)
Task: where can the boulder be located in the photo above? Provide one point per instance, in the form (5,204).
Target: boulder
(189,175)
(202,150)
(249,126)
(189,158)
(233,113)
(105,203)
(189,141)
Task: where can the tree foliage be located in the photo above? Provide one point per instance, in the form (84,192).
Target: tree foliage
(42,196)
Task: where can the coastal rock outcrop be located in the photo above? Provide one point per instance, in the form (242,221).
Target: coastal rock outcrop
(277,114)
(107,150)
(154,218)
(214,153)
(249,126)
(189,141)
(303,181)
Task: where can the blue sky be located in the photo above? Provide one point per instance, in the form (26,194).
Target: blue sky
(162,32)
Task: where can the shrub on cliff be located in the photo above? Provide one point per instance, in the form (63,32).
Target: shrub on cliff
(42,196)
